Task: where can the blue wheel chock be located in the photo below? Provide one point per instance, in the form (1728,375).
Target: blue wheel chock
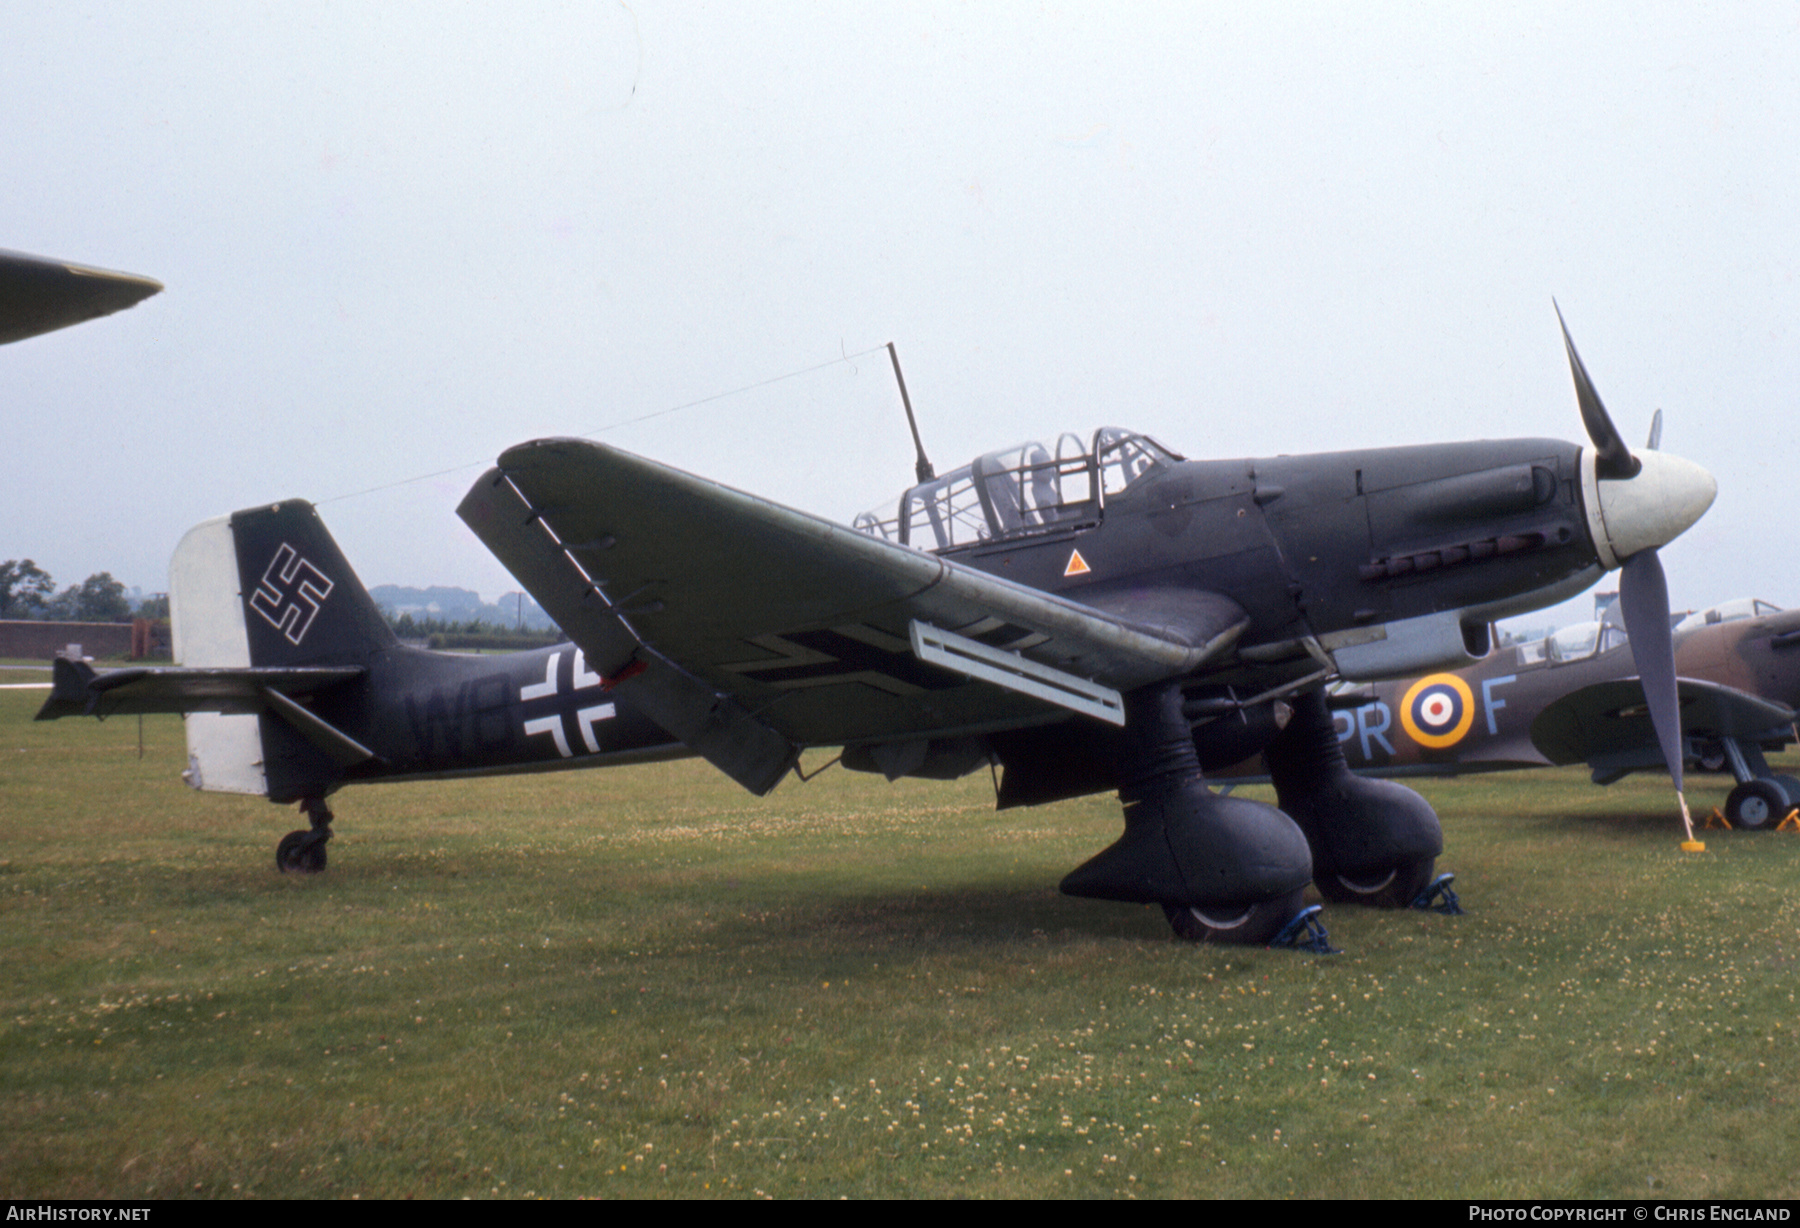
(1439,897)
(1306,933)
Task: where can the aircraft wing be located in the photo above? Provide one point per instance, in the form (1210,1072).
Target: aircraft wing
(1609,721)
(38,295)
(779,630)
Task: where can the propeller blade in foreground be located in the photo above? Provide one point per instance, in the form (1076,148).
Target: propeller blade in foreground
(1612,458)
(1644,599)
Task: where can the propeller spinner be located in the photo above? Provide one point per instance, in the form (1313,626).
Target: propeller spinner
(1636,504)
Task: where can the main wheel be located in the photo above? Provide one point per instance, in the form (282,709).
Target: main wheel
(1395,887)
(1791,787)
(1756,805)
(1245,926)
(295,855)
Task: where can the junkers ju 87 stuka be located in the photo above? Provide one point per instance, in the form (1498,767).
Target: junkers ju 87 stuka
(1091,614)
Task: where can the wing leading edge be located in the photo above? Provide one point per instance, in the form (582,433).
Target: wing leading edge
(765,629)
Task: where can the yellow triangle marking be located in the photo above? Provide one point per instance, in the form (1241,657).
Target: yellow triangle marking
(1077,565)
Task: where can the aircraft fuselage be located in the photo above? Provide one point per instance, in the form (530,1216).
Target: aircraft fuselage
(1481,718)
(434,714)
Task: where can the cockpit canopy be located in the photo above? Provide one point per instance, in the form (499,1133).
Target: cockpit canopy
(1730,611)
(1576,642)
(1583,640)
(1019,491)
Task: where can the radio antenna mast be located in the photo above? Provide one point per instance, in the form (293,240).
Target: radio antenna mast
(923,466)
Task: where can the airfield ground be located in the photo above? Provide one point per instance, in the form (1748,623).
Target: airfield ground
(646,982)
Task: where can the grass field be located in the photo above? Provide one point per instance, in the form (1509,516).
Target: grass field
(647,982)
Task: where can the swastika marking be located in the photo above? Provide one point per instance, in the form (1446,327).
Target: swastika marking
(290,593)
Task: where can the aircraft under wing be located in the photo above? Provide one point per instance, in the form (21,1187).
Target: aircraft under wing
(807,626)
(1608,722)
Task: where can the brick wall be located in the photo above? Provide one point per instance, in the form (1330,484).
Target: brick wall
(42,640)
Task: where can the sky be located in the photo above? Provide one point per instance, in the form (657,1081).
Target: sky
(400,238)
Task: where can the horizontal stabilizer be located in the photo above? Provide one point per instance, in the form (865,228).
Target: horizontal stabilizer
(78,690)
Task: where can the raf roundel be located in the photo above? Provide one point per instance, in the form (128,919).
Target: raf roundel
(1438,711)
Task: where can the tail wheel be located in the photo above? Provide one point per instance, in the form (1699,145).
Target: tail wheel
(1395,887)
(1244,925)
(300,853)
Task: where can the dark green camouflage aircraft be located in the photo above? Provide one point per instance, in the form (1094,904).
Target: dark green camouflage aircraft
(1094,614)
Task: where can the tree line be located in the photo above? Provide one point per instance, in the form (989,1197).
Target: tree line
(466,633)
(28,591)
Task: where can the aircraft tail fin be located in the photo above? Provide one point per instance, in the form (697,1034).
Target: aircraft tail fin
(269,587)
(262,588)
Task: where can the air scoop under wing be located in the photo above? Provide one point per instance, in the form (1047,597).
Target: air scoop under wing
(726,616)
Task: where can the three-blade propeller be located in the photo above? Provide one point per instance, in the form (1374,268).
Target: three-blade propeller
(1643,589)
(1612,458)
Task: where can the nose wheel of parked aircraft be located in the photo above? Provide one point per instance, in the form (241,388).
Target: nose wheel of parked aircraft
(303,852)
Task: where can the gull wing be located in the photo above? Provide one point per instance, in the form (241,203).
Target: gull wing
(776,622)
